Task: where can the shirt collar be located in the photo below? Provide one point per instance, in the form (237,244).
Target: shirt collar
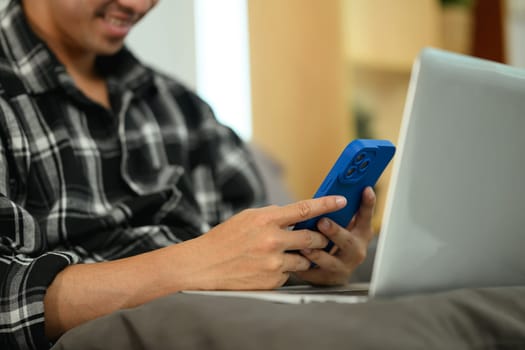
(40,69)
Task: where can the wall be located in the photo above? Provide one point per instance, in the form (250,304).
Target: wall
(515,32)
(165,38)
(298,74)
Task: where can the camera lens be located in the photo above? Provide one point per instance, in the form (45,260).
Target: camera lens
(350,172)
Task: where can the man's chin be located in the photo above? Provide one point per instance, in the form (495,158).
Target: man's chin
(110,48)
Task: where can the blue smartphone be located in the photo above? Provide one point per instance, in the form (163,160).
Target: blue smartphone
(360,165)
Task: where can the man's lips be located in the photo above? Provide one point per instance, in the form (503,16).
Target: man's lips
(118,24)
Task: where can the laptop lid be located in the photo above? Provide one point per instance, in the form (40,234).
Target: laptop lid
(455,211)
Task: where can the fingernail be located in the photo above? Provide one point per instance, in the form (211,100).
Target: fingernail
(324,224)
(370,193)
(340,201)
(306,251)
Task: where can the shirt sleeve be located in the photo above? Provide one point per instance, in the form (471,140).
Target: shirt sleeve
(26,270)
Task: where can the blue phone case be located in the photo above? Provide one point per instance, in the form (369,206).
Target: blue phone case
(360,165)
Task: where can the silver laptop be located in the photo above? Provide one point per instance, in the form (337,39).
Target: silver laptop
(455,211)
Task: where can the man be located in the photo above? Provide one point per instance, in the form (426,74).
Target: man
(107,162)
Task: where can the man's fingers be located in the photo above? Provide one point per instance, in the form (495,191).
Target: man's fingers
(304,239)
(352,247)
(366,210)
(295,262)
(307,209)
(325,261)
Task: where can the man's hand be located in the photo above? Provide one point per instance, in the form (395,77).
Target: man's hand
(350,246)
(251,250)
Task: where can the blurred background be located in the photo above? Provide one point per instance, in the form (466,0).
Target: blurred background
(299,79)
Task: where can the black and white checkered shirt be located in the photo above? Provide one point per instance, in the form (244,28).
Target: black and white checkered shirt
(80,183)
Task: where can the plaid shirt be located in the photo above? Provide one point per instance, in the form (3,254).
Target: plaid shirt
(80,183)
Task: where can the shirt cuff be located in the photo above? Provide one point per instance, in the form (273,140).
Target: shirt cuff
(22,302)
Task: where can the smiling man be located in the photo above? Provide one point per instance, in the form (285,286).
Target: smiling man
(118,186)
(79,31)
